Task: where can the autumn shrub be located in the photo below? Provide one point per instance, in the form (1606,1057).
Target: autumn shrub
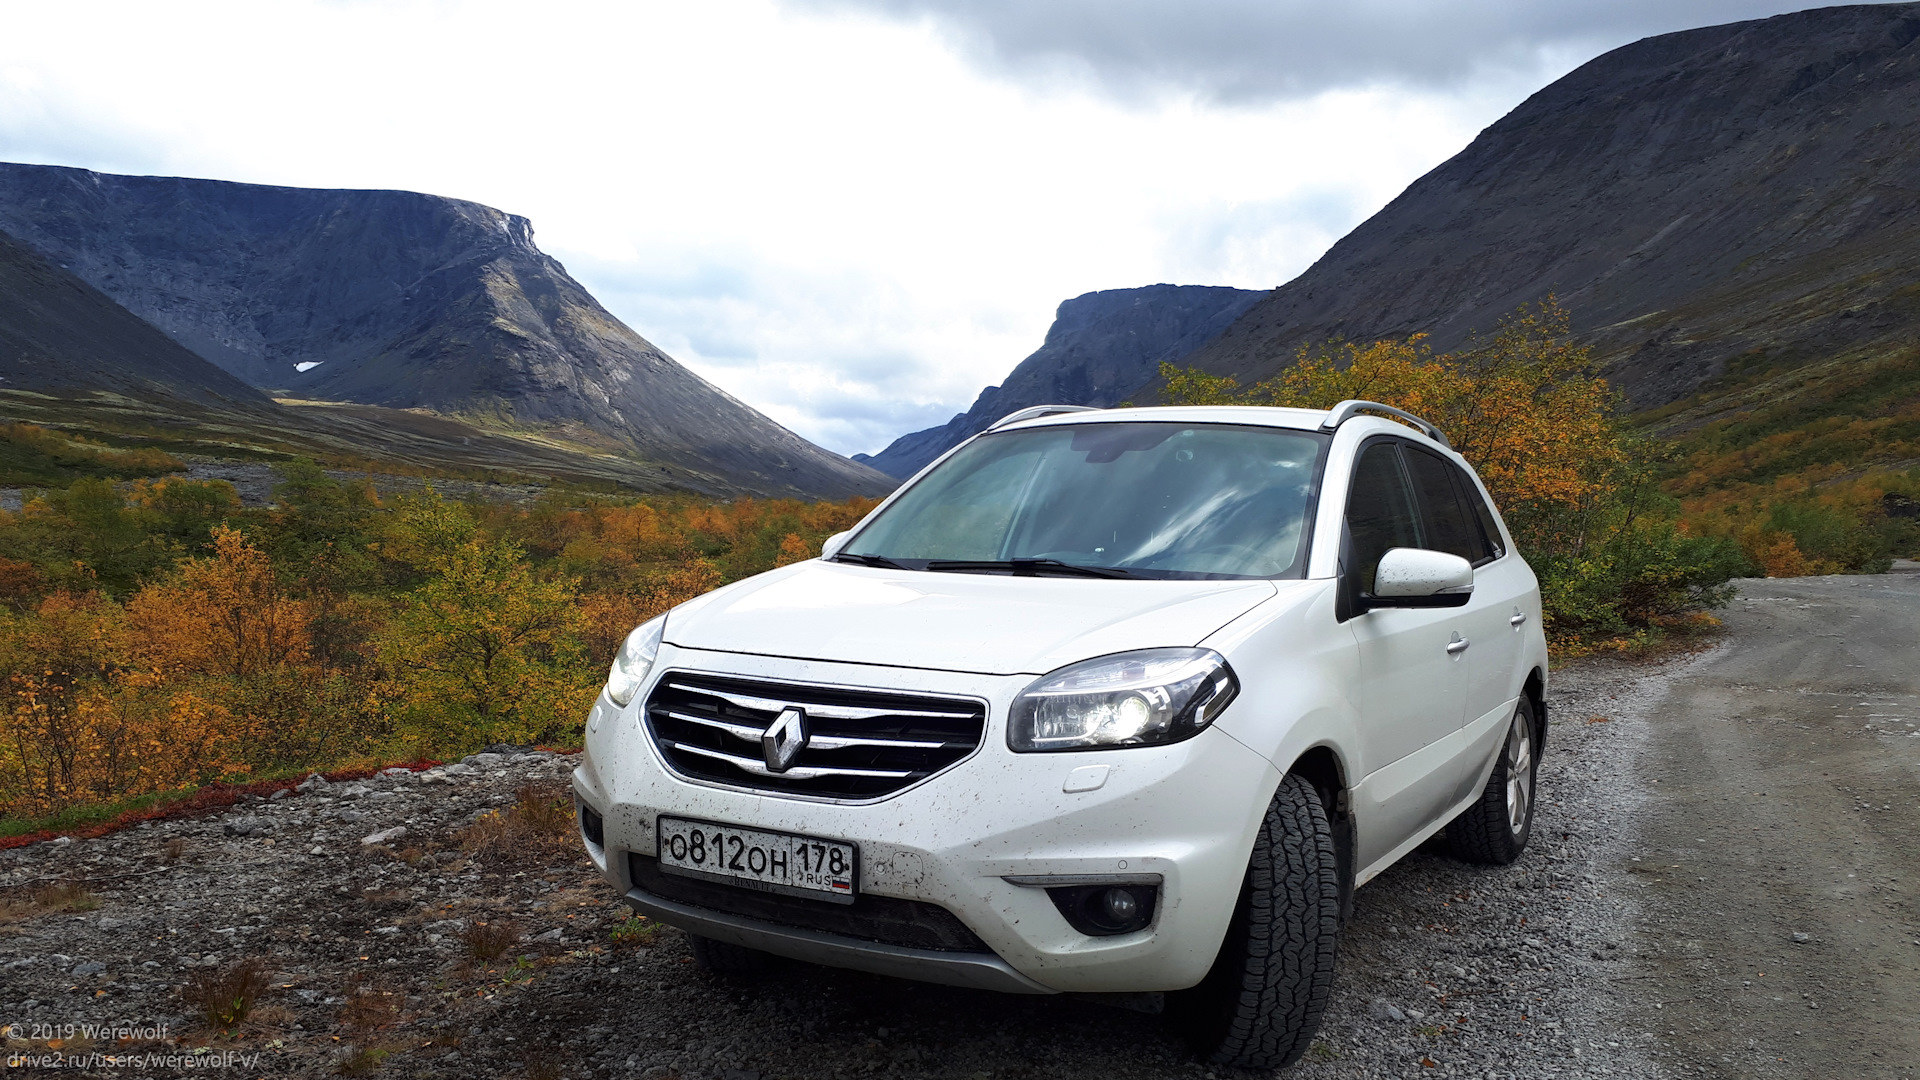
(539,821)
(225,995)
(60,896)
(489,939)
(1543,430)
(1819,520)
(156,635)
(543,811)
(486,649)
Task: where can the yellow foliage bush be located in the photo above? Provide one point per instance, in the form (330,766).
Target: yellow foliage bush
(157,635)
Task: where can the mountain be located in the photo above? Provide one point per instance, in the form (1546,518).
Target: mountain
(407,301)
(60,335)
(1708,204)
(1100,347)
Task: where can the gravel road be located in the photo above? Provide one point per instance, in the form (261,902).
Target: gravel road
(1781,846)
(1695,816)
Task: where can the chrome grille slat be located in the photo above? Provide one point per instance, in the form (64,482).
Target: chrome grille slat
(860,744)
(798,772)
(814,709)
(821,742)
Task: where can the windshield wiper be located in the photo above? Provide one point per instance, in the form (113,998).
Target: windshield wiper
(1027,567)
(867,560)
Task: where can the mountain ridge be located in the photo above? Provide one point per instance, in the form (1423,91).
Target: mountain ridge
(1100,346)
(407,301)
(1732,194)
(59,335)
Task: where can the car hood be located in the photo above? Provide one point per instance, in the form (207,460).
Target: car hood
(987,623)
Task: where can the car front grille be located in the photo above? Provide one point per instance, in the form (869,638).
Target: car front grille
(859,744)
(884,919)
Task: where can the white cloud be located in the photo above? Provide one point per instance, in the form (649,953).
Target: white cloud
(836,216)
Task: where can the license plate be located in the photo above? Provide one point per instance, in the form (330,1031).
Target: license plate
(756,859)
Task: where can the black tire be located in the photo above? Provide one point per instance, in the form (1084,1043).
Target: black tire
(1491,832)
(726,960)
(1260,1005)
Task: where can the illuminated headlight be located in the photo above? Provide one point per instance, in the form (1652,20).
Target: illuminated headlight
(1142,698)
(634,660)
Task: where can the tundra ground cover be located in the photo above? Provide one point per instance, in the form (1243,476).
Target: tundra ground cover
(156,635)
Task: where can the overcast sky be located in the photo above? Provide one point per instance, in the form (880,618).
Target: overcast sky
(851,214)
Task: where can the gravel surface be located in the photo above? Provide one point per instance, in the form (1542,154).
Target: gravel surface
(1519,971)
(1782,832)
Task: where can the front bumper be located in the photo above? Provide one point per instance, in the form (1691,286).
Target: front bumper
(1187,813)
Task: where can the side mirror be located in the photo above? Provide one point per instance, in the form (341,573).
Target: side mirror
(834,543)
(1417,578)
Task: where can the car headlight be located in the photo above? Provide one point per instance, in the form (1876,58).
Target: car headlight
(1142,698)
(634,660)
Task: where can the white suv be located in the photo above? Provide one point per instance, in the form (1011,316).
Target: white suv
(1114,702)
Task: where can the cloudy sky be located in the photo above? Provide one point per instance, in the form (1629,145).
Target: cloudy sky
(851,214)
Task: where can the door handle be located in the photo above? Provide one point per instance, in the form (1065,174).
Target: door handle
(1518,618)
(1457,646)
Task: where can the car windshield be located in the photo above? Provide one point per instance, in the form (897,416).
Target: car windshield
(1152,500)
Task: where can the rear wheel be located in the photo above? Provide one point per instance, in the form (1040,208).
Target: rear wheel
(725,959)
(1259,1006)
(1494,830)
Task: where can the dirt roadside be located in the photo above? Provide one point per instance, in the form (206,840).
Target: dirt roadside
(1781,841)
(1551,967)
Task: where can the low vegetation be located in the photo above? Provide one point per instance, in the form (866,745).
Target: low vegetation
(30,454)
(1810,467)
(223,996)
(61,896)
(156,636)
(540,820)
(491,939)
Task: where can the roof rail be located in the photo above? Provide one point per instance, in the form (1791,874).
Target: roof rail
(1346,410)
(1037,411)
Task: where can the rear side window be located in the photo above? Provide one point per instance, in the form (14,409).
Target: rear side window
(1448,519)
(1380,512)
(1496,547)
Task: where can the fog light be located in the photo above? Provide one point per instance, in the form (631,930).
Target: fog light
(1106,910)
(591,827)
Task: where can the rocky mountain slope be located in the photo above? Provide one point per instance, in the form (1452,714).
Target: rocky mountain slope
(1100,347)
(60,335)
(1738,196)
(402,300)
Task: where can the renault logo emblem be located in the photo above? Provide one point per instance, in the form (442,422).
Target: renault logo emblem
(784,739)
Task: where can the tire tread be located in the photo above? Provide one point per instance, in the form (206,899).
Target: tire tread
(1288,936)
(1480,834)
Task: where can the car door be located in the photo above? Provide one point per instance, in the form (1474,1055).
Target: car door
(1412,690)
(1491,649)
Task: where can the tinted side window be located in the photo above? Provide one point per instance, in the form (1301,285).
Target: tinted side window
(1380,514)
(1488,526)
(1449,524)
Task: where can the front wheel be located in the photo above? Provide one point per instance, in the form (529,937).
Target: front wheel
(1494,830)
(1259,1006)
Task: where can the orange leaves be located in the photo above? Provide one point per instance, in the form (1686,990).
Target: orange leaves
(1522,406)
(108,702)
(226,614)
(1779,556)
(793,550)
